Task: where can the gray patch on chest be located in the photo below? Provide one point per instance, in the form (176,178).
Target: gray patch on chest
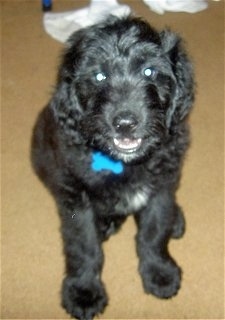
(133,201)
(138,200)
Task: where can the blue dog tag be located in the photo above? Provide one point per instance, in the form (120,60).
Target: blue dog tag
(101,162)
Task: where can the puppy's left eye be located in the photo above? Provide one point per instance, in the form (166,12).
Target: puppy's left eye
(100,76)
(150,73)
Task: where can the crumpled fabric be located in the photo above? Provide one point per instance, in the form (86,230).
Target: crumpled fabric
(61,25)
(190,6)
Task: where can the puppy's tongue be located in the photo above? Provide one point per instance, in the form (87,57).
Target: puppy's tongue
(126,144)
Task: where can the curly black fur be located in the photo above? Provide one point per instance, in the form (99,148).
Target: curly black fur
(124,89)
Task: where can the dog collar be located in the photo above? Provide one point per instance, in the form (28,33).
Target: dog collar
(101,162)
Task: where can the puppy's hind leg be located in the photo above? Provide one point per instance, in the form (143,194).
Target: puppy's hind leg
(179,223)
(83,293)
(109,224)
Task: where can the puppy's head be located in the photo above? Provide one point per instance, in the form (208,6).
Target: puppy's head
(123,87)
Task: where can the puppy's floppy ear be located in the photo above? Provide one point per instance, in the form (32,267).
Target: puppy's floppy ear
(183,97)
(64,103)
(67,112)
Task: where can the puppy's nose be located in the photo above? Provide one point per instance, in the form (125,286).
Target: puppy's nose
(125,122)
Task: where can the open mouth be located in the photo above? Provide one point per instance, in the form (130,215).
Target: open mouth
(127,145)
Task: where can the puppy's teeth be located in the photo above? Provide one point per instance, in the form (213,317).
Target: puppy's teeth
(127,144)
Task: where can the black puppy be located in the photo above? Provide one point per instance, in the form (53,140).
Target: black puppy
(110,143)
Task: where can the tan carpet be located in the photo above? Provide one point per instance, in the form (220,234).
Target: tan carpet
(32,260)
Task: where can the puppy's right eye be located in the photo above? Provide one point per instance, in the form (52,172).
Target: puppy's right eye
(100,76)
(150,73)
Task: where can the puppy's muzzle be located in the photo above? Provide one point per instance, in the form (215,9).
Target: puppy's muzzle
(125,125)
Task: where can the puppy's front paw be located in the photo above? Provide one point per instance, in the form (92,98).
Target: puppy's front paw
(83,302)
(162,280)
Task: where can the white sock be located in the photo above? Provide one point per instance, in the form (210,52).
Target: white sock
(61,25)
